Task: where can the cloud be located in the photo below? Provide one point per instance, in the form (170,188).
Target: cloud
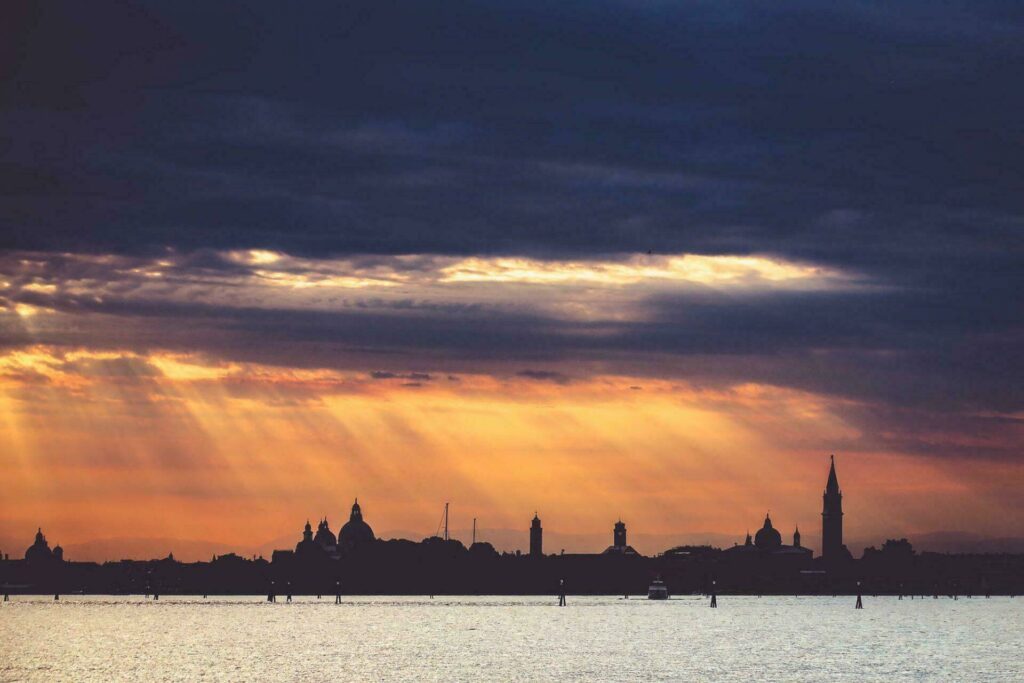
(416,377)
(823,199)
(708,128)
(545,376)
(904,344)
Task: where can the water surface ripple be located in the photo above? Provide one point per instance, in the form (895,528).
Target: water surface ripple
(511,639)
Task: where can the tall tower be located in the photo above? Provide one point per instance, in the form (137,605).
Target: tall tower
(619,535)
(832,517)
(536,537)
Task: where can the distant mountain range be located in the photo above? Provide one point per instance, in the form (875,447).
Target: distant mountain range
(505,540)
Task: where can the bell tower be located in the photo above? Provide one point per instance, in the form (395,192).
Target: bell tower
(832,517)
(536,537)
(619,535)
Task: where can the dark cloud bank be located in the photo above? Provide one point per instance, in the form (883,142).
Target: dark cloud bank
(881,139)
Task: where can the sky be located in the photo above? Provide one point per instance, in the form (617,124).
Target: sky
(596,260)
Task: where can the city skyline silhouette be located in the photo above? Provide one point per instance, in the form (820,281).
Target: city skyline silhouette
(356,531)
(511,340)
(511,539)
(356,561)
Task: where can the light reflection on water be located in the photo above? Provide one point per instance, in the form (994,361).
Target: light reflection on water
(511,638)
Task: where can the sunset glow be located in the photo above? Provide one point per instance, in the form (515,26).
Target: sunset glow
(656,260)
(519,341)
(94,438)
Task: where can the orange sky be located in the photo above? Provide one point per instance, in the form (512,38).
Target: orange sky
(232,297)
(159,445)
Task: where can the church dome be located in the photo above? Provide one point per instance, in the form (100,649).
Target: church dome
(307,548)
(40,550)
(356,531)
(324,536)
(768,537)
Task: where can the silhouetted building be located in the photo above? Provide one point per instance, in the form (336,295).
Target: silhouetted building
(768,537)
(832,547)
(282,556)
(748,547)
(39,552)
(690,551)
(767,542)
(619,545)
(325,538)
(324,544)
(307,548)
(762,564)
(536,537)
(356,532)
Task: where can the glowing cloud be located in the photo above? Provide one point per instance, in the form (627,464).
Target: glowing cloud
(89,439)
(690,268)
(586,289)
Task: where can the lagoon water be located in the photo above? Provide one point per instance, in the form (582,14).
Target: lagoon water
(511,639)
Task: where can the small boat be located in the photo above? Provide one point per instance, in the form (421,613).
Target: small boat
(657,590)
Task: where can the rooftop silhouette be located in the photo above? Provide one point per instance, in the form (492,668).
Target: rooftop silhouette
(356,561)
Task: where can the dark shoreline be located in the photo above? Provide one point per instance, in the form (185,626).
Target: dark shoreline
(403,568)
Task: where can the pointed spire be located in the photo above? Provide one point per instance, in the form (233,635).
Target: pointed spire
(833,482)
